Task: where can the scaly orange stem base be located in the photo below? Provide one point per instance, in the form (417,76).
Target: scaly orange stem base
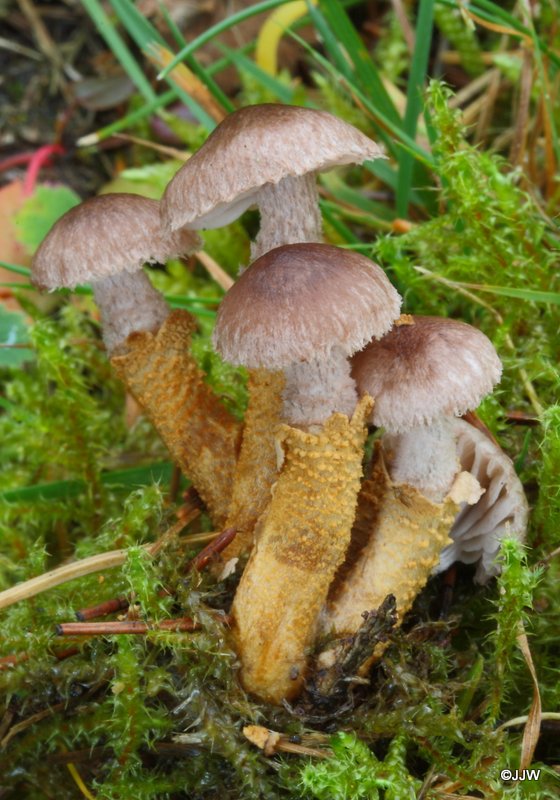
(257,467)
(299,542)
(201,435)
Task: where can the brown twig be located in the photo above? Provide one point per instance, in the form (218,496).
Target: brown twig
(174,485)
(19,658)
(171,152)
(86,566)
(214,270)
(271,742)
(404,22)
(545,560)
(473,419)
(26,723)
(186,80)
(487,110)
(102,609)
(47,46)
(178,625)
(521,418)
(219,543)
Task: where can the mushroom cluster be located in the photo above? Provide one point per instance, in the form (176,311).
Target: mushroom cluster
(319,331)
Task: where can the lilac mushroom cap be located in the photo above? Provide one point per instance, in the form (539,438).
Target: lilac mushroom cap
(254,146)
(423,373)
(266,155)
(105,241)
(298,302)
(104,236)
(426,368)
(304,308)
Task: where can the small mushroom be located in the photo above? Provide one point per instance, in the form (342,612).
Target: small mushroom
(420,375)
(105,241)
(303,309)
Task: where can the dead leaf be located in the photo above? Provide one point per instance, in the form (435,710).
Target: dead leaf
(532,729)
(12,251)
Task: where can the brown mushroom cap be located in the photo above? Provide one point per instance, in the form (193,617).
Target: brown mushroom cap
(298,302)
(421,371)
(103,236)
(254,146)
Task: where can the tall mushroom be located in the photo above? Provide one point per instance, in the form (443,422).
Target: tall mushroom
(302,309)
(421,374)
(265,155)
(105,241)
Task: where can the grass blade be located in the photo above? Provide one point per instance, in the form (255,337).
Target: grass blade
(175,301)
(329,212)
(498,16)
(220,27)
(144,34)
(531,295)
(363,68)
(284,93)
(130,119)
(402,138)
(415,87)
(19,270)
(124,479)
(119,48)
(201,73)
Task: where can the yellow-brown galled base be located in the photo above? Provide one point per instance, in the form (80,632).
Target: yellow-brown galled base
(257,466)
(299,543)
(408,533)
(201,435)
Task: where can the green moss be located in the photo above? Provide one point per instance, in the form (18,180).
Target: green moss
(354,772)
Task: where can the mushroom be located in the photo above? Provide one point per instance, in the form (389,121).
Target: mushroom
(105,241)
(302,309)
(265,155)
(501,511)
(425,371)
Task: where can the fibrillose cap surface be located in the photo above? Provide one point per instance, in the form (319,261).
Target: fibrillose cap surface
(254,146)
(421,371)
(103,236)
(298,302)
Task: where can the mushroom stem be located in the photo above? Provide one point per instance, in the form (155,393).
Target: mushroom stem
(257,466)
(289,213)
(316,389)
(407,533)
(128,302)
(200,433)
(300,542)
(424,457)
(312,392)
